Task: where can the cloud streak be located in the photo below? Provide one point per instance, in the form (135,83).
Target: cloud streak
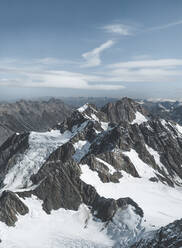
(155,63)
(149,71)
(93,57)
(15,74)
(118,28)
(111,77)
(165,26)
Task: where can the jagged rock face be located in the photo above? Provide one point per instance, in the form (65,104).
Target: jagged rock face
(169,236)
(59,186)
(30,116)
(10,207)
(123,110)
(10,151)
(85,113)
(164,138)
(106,208)
(124,137)
(117,160)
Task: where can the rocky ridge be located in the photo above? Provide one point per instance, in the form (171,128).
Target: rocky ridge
(169,236)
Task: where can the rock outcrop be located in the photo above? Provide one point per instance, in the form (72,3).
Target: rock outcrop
(123,110)
(10,207)
(169,236)
(12,150)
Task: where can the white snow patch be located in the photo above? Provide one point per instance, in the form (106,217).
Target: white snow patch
(175,178)
(139,118)
(83,108)
(63,228)
(163,122)
(94,117)
(41,145)
(143,169)
(161,204)
(179,128)
(156,156)
(110,167)
(104,125)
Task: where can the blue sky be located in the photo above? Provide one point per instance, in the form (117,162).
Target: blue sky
(91,47)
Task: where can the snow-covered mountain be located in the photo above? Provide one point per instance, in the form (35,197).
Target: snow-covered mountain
(100,178)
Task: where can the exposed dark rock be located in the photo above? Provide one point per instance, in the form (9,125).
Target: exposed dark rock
(10,207)
(123,110)
(169,236)
(161,137)
(86,131)
(153,179)
(105,209)
(117,161)
(76,118)
(10,151)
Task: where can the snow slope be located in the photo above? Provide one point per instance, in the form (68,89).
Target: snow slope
(62,229)
(156,199)
(139,118)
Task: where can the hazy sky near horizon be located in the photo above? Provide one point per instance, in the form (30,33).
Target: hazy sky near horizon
(91,48)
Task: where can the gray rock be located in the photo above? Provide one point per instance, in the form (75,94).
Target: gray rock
(10,207)
(169,236)
(123,110)
(11,151)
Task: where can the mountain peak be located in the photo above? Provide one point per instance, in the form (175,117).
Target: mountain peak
(123,110)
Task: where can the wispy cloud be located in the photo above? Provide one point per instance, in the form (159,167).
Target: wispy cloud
(16,74)
(111,77)
(155,63)
(149,71)
(93,57)
(119,29)
(128,30)
(165,26)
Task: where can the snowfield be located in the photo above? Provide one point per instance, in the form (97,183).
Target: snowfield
(161,204)
(61,229)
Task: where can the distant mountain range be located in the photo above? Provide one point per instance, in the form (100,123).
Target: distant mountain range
(30,116)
